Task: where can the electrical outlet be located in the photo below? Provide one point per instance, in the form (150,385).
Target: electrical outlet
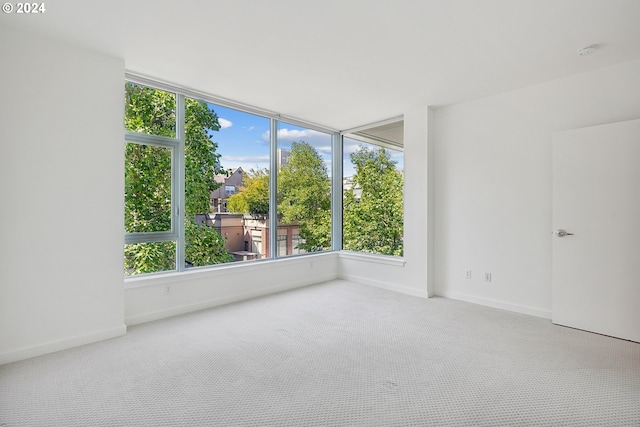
(167,289)
(468,274)
(487,277)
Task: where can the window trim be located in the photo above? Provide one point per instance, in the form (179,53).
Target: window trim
(337,196)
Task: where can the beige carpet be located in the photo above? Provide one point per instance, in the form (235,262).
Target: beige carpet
(334,354)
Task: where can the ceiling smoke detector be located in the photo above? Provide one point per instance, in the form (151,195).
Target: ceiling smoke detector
(588,50)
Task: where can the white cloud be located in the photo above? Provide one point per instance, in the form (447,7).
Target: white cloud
(245,159)
(349,147)
(224,123)
(245,162)
(294,133)
(323,148)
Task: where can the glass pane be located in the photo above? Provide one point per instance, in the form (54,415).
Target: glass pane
(147,188)
(141,258)
(226,184)
(373,208)
(149,111)
(304,188)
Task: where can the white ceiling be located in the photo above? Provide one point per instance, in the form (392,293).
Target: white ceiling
(345,63)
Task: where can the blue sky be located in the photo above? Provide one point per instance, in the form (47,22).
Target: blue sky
(240,141)
(243,140)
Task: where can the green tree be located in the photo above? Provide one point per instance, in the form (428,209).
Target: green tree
(203,244)
(373,222)
(304,196)
(253,197)
(149,111)
(201,160)
(148,180)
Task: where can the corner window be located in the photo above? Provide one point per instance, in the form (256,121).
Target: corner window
(199,184)
(209,184)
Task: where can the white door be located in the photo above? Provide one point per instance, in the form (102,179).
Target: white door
(596,197)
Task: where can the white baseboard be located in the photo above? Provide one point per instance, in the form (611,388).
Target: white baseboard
(227,299)
(532,311)
(384,285)
(53,346)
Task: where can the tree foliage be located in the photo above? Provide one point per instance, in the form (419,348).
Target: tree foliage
(253,197)
(149,111)
(147,188)
(204,245)
(153,257)
(373,222)
(148,167)
(304,196)
(148,180)
(201,160)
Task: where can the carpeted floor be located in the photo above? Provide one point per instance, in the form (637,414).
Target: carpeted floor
(334,354)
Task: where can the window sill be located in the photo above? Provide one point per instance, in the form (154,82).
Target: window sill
(374,258)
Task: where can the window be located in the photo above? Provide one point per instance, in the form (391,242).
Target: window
(373,207)
(304,187)
(148,182)
(282,244)
(150,160)
(201,181)
(256,243)
(227,164)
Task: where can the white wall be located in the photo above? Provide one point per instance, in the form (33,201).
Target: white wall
(493,183)
(147,298)
(413,274)
(61,180)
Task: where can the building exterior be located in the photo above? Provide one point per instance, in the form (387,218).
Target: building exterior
(283,157)
(347,184)
(230,184)
(247,238)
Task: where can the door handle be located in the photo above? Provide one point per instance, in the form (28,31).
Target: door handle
(560,232)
